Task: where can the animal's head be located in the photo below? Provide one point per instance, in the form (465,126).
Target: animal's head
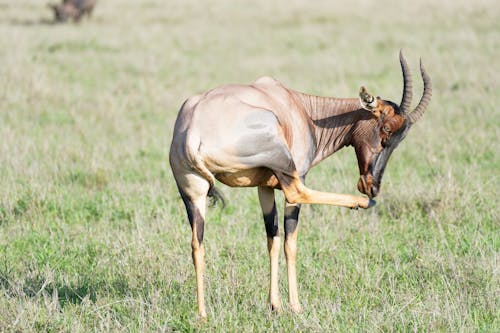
(378,136)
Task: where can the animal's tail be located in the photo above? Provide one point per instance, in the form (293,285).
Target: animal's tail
(216,196)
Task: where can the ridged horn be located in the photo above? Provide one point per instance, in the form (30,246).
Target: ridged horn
(426,96)
(405,104)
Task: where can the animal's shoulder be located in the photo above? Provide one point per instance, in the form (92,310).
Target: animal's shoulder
(265,80)
(273,88)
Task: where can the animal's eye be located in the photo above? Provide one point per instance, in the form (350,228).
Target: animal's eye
(386,129)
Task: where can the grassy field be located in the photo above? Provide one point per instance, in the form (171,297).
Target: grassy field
(94,236)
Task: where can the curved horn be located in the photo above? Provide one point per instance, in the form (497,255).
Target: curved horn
(426,96)
(405,104)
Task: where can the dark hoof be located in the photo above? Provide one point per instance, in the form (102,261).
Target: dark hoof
(371,203)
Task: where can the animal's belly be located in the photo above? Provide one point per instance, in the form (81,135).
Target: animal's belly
(249,177)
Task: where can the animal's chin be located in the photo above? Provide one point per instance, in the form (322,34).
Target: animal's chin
(367,186)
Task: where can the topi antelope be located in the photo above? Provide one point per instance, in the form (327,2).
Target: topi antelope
(267,135)
(72,9)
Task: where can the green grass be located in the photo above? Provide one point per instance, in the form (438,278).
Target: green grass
(94,236)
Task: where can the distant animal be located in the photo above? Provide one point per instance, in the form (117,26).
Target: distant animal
(72,9)
(267,135)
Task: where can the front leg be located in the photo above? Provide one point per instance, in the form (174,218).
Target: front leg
(268,205)
(291,230)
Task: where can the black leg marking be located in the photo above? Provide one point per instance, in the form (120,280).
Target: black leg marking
(194,216)
(292,215)
(271,222)
(291,219)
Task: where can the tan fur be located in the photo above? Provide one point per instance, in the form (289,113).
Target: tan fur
(291,265)
(198,254)
(249,177)
(297,193)
(273,246)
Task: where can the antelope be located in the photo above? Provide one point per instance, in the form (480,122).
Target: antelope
(269,136)
(74,9)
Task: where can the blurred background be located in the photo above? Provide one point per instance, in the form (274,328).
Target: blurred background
(93,234)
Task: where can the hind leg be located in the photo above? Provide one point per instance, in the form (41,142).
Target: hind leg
(194,190)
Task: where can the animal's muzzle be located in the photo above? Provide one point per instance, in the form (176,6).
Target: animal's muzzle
(367,185)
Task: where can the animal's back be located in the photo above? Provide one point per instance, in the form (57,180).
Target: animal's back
(82,4)
(228,121)
(233,101)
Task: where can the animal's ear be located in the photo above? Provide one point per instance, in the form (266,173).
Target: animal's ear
(369,102)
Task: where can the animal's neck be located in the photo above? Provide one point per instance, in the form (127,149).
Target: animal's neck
(333,121)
